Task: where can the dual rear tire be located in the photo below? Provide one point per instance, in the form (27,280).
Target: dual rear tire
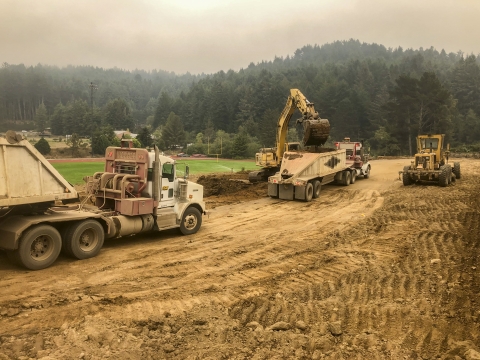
(346,178)
(312,190)
(40,245)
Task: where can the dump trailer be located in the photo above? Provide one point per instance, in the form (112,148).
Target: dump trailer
(303,173)
(138,191)
(431,162)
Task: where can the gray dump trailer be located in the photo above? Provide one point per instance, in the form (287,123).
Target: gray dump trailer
(302,174)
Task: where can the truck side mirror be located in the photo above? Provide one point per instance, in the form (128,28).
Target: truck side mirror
(187,171)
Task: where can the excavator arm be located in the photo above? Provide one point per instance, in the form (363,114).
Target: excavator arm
(316,132)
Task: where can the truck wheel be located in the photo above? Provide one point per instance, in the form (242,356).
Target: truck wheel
(407,180)
(367,173)
(309,192)
(346,178)
(456,169)
(39,247)
(83,240)
(317,187)
(443,177)
(191,221)
(353,175)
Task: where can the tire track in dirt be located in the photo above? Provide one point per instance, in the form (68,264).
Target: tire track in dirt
(415,292)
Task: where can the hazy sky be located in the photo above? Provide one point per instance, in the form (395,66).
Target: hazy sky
(212,35)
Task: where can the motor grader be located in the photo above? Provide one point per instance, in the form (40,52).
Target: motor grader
(431,162)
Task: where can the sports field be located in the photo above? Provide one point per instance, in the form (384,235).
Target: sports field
(75,171)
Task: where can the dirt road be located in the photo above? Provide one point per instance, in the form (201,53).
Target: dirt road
(370,271)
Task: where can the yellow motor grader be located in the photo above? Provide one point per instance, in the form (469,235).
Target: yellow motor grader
(431,162)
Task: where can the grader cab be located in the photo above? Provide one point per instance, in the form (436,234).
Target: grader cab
(431,162)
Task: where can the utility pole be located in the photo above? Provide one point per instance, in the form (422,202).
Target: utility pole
(92,87)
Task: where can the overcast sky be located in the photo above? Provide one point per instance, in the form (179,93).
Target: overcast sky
(212,35)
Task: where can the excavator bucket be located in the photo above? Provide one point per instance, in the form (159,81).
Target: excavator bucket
(315,132)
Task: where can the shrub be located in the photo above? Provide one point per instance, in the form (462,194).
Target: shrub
(43,146)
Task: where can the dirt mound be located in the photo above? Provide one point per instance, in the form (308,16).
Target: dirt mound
(229,189)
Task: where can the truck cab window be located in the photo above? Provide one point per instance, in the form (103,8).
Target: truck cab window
(168,171)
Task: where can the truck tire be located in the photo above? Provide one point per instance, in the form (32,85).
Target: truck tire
(191,221)
(407,180)
(443,177)
(346,178)
(456,169)
(367,173)
(38,248)
(317,187)
(84,239)
(309,192)
(353,176)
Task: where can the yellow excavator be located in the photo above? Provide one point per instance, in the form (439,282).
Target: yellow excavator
(316,132)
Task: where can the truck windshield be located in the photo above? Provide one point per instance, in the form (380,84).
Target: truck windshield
(425,143)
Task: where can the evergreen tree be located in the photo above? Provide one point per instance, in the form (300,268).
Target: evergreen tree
(163,110)
(145,137)
(102,138)
(41,118)
(75,118)
(240,145)
(118,115)
(57,120)
(466,85)
(173,133)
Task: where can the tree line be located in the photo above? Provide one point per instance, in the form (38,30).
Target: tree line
(368,92)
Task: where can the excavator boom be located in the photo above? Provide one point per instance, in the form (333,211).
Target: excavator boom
(316,132)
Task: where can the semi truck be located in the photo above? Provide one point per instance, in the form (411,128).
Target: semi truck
(40,213)
(357,160)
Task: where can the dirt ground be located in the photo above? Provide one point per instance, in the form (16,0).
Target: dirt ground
(370,271)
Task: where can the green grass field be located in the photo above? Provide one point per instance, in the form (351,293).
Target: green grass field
(74,172)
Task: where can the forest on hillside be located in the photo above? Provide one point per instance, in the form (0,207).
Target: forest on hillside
(368,92)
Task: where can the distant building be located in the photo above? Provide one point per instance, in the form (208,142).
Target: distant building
(120,134)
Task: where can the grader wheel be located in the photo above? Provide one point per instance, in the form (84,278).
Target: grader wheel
(443,177)
(407,180)
(456,169)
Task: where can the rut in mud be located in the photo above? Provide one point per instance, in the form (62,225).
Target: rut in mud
(371,271)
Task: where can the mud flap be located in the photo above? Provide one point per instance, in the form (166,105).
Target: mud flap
(272,190)
(285,191)
(300,192)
